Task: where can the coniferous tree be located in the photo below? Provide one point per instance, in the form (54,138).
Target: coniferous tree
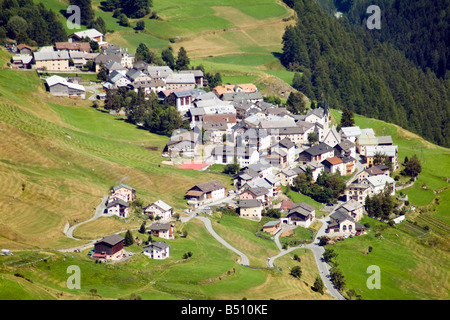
(183,60)
(129,240)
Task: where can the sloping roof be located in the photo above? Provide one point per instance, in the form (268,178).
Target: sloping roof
(287,143)
(117,201)
(160,226)
(53,80)
(388,150)
(271,224)
(123,186)
(162,205)
(78,46)
(340,216)
(352,205)
(209,186)
(379,180)
(90,33)
(51,55)
(354,131)
(304,206)
(157,244)
(180,78)
(112,240)
(320,148)
(333,161)
(251,203)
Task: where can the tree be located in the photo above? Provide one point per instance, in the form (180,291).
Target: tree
(142,228)
(312,138)
(413,167)
(123,20)
(231,168)
(296,272)
(318,284)
(128,239)
(295,103)
(329,255)
(347,119)
(16,25)
(87,13)
(142,52)
(337,278)
(168,58)
(103,73)
(183,61)
(140,25)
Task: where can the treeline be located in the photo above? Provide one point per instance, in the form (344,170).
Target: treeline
(145,110)
(419,28)
(346,65)
(29,23)
(134,9)
(327,188)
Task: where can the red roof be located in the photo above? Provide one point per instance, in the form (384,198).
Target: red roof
(193,165)
(287,204)
(334,160)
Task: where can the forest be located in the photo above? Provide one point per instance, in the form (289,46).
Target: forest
(350,67)
(29,23)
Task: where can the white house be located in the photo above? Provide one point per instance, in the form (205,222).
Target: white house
(206,192)
(250,209)
(157,250)
(118,207)
(350,133)
(301,214)
(378,183)
(159,209)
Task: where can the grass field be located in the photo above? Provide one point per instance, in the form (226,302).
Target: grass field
(224,37)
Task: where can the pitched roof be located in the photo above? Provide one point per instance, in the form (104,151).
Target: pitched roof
(271,223)
(351,131)
(333,161)
(117,201)
(78,46)
(251,203)
(340,216)
(320,148)
(209,186)
(51,55)
(90,33)
(287,143)
(162,205)
(160,226)
(112,239)
(157,244)
(123,186)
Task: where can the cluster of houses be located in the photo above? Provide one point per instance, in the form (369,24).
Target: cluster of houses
(117,204)
(271,146)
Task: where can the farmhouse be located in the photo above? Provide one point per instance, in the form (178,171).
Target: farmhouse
(250,209)
(378,183)
(157,250)
(354,209)
(60,87)
(21,61)
(333,165)
(162,230)
(24,49)
(318,152)
(91,34)
(342,224)
(300,214)
(158,209)
(256,193)
(206,192)
(272,227)
(118,207)
(110,247)
(357,191)
(128,191)
(52,60)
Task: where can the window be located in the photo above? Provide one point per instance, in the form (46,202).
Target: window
(344,228)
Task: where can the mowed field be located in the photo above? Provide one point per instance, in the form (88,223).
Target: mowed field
(59,157)
(241,40)
(414,256)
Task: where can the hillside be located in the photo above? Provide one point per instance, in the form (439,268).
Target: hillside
(350,68)
(59,157)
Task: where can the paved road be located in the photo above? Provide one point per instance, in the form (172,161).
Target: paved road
(99,211)
(317,250)
(243,258)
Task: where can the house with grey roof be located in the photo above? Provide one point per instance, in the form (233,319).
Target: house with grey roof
(341,223)
(158,209)
(350,133)
(206,192)
(250,209)
(184,81)
(61,87)
(157,250)
(318,152)
(51,60)
(301,214)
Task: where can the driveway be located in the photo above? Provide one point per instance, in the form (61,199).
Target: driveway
(243,258)
(99,211)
